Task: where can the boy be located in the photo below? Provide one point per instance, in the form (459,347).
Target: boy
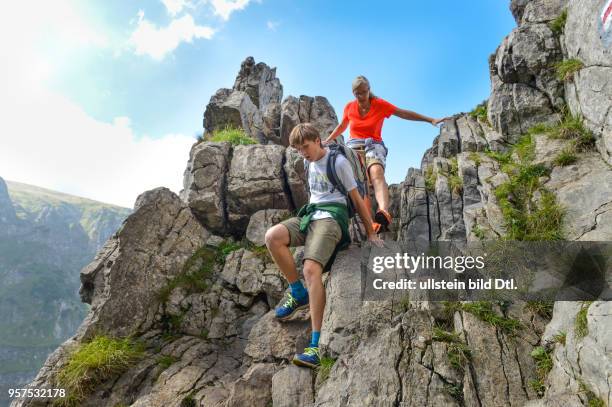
(320,227)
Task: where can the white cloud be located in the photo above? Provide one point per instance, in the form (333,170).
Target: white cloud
(175,6)
(147,39)
(272,25)
(224,8)
(49,141)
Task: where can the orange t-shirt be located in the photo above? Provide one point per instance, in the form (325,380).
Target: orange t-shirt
(371,124)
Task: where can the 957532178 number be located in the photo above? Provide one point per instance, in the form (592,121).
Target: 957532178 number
(36,393)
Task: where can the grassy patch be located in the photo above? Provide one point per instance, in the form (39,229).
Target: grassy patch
(233,135)
(560,337)
(188,401)
(166,361)
(567,69)
(572,128)
(565,157)
(455,391)
(474,156)
(193,276)
(542,308)
(581,325)
(558,24)
(544,364)
(592,399)
(325,368)
(430,179)
(458,353)
(527,218)
(455,183)
(480,112)
(483,310)
(92,363)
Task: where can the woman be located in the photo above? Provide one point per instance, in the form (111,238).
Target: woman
(365,115)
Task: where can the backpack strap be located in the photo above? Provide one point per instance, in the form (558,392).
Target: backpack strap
(332,173)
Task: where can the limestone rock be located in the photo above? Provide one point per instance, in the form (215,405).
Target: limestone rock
(292,386)
(585,191)
(255,182)
(254,388)
(296,177)
(234,109)
(261,221)
(259,81)
(156,239)
(204,183)
(316,110)
(271,340)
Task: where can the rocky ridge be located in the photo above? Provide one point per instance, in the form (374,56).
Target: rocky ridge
(225,345)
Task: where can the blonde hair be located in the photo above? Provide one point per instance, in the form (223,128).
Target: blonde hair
(362,80)
(303,132)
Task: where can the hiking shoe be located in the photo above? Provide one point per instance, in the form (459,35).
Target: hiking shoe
(310,358)
(290,306)
(384,218)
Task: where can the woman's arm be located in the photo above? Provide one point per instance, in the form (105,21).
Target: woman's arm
(337,131)
(410,115)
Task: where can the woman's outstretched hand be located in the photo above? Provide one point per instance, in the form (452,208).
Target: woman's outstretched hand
(436,122)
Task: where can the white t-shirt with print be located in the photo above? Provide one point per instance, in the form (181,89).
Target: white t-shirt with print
(321,187)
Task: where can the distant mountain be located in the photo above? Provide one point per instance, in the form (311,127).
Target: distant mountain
(46,237)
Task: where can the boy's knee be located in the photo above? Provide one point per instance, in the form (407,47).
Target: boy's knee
(274,235)
(312,270)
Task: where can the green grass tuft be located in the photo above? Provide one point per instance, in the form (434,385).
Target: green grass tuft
(565,157)
(557,26)
(94,362)
(480,112)
(430,179)
(474,156)
(525,217)
(542,308)
(166,361)
(567,69)
(543,361)
(560,337)
(233,135)
(458,353)
(188,401)
(325,368)
(592,399)
(581,326)
(483,310)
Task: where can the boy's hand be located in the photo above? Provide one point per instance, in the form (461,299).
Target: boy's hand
(376,240)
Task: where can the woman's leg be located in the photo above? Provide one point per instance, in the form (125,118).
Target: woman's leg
(381,190)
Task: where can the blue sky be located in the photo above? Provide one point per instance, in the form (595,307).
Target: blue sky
(113,92)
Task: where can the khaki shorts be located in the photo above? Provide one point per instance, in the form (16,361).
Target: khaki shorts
(373,153)
(320,240)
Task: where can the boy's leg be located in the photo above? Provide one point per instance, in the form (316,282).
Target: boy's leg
(323,236)
(278,241)
(313,272)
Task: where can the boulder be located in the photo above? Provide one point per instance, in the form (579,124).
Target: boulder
(255,181)
(261,221)
(234,109)
(292,386)
(316,110)
(204,183)
(259,81)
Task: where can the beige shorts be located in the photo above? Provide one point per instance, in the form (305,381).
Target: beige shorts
(320,240)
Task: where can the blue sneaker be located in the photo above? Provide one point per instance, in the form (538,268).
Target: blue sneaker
(310,358)
(290,306)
